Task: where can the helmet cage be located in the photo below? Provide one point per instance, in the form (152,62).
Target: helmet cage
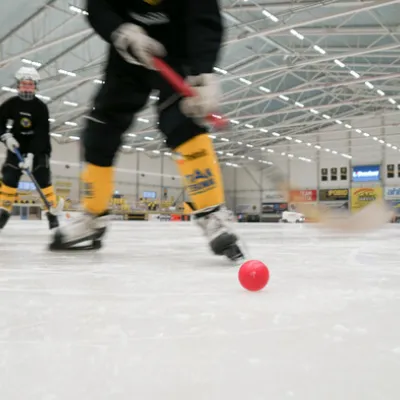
(26,88)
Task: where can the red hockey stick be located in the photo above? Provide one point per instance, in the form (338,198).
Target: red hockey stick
(178,83)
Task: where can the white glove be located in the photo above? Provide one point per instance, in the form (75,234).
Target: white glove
(9,140)
(135,46)
(28,162)
(207,96)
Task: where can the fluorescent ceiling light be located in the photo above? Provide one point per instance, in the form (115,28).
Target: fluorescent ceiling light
(338,62)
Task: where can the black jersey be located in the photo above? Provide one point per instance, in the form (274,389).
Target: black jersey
(190,30)
(30,124)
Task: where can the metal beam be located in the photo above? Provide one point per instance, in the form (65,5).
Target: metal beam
(289,5)
(45,46)
(346,31)
(313,21)
(317,60)
(314,88)
(26,20)
(320,107)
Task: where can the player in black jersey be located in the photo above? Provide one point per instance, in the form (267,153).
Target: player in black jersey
(188,34)
(24,124)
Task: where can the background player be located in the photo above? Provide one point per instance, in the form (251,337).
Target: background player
(188,34)
(24,124)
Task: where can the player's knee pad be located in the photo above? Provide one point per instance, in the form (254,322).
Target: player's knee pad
(11,175)
(198,165)
(98,188)
(7,197)
(177,128)
(102,138)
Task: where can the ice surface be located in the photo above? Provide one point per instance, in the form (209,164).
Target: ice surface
(155,316)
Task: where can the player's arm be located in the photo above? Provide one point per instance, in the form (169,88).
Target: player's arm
(39,144)
(103,18)
(5,136)
(4,116)
(205,32)
(130,40)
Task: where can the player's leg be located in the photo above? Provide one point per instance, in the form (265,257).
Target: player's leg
(42,173)
(124,93)
(199,166)
(8,190)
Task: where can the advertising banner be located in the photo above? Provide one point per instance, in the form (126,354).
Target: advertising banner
(164,217)
(153,217)
(366,173)
(135,217)
(303,196)
(116,217)
(392,193)
(274,208)
(336,205)
(63,188)
(361,197)
(334,195)
(274,196)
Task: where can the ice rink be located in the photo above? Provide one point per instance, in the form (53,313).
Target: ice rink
(155,316)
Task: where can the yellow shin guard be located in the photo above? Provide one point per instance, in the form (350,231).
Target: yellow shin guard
(199,166)
(7,197)
(98,188)
(50,195)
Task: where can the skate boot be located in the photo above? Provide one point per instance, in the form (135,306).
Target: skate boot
(4,217)
(83,233)
(53,221)
(216,225)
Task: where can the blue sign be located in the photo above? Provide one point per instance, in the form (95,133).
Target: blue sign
(149,195)
(26,186)
(367,173)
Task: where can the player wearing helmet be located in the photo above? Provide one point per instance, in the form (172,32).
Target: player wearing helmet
(188,33)
(24,124)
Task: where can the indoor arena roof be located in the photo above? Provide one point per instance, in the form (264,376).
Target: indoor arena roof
(289,68)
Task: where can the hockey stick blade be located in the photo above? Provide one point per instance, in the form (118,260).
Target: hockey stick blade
(370,218)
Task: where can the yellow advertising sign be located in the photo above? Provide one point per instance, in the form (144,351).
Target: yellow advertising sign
(66,184)
(63,192)
(361,197)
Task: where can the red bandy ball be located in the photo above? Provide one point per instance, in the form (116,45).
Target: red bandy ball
(253,275)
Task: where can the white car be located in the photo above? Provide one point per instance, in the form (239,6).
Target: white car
(292,217)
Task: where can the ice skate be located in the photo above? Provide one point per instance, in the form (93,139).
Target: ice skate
(53,220)
(215,223)
(4,217)
(83,233)
(53,213)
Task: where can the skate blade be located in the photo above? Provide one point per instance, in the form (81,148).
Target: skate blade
(59,247)
(236,254)
(235,260)
(58,244)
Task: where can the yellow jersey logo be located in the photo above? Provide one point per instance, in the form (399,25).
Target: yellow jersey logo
(153,2)
(26,122)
